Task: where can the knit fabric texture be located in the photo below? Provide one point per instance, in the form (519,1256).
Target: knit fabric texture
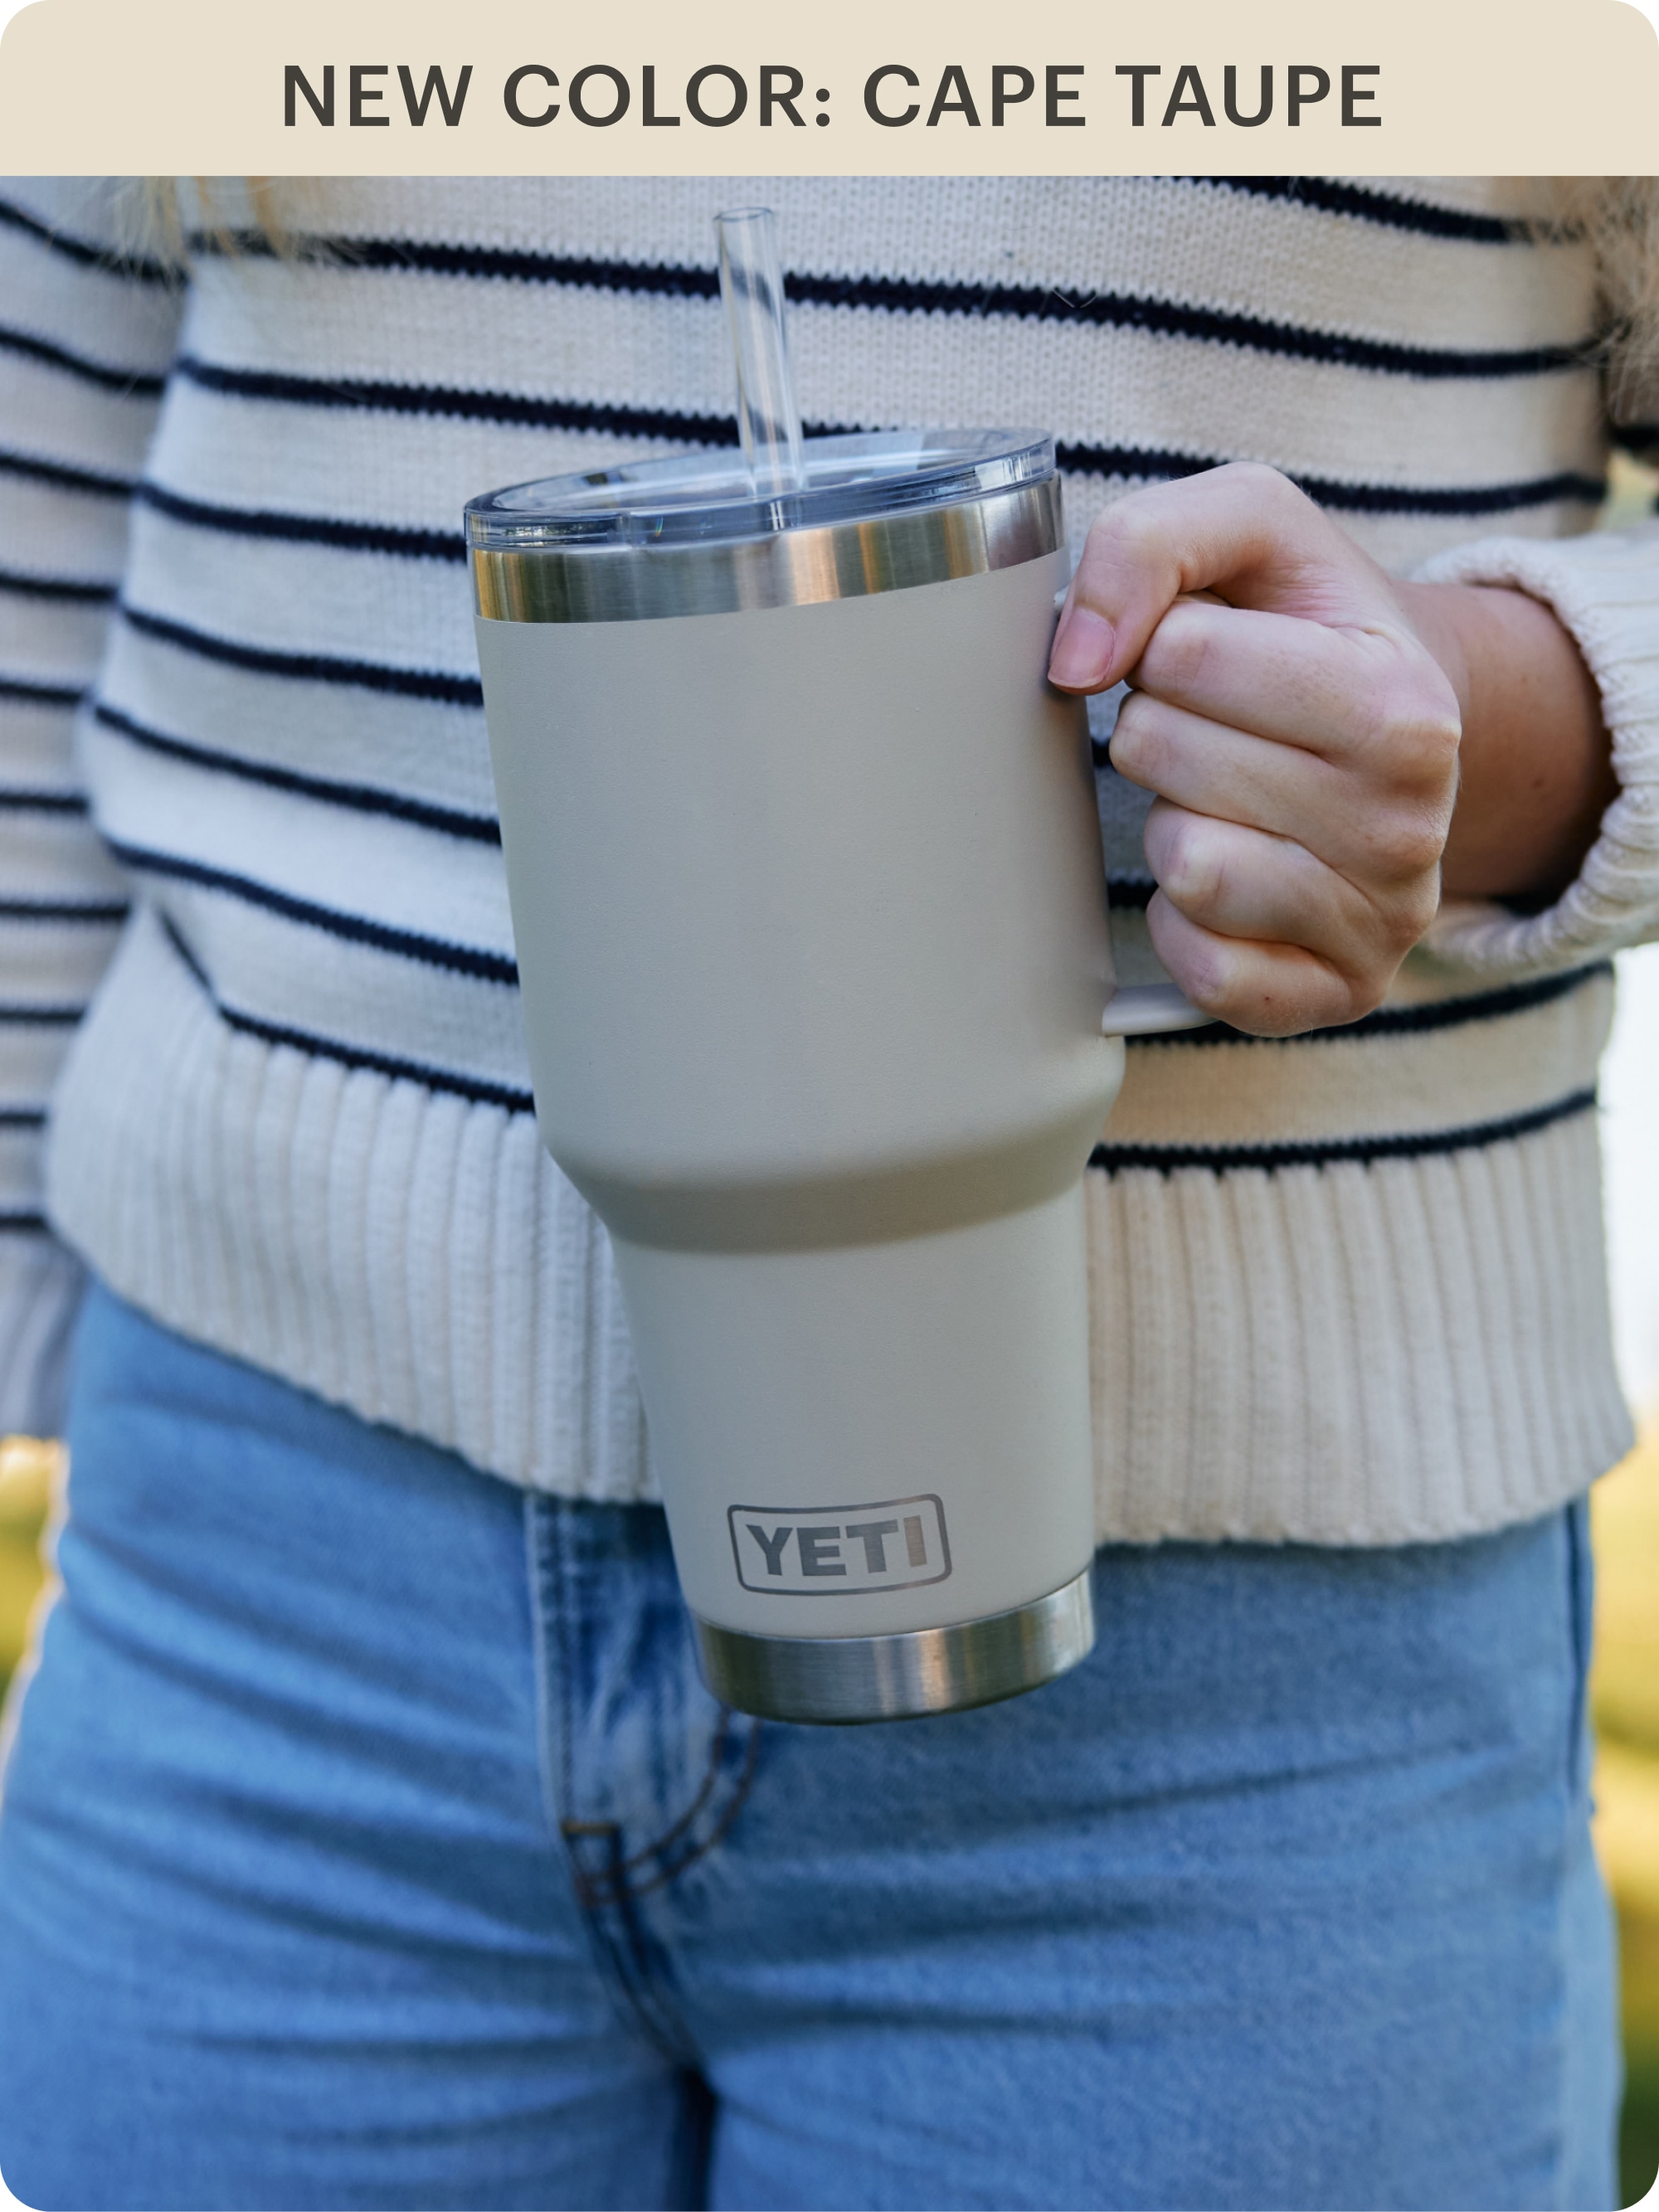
(1346,1289)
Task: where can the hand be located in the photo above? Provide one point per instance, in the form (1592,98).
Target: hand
(1299,714)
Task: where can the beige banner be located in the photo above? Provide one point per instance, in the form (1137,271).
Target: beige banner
(350,86)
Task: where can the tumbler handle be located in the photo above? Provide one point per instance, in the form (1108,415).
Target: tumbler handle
(1144,1009)
(1150,1010)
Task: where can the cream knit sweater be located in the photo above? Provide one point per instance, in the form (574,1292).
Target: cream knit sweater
(1346,1289)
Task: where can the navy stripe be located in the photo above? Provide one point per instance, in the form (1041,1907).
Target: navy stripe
(1327,195)
(1209,325)
(306,529)
(361,799)
(1409,1021)
(1144,462)
(1570,484)
(468,405)
(912,295)
(720,430)
(497,263)
(18,1223)
(90,910)
(480,1093)
(142,271)
(23,1117)
(477,1092)
(55,588)
(354,929)
(1128,311)
(63,476)
(1331,197)
(1223,1159)
(39,695)
(309,668)
(41,1016)
(41,802)
(129,383)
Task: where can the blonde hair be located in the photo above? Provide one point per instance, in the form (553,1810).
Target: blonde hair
(1618,216)
(162,215)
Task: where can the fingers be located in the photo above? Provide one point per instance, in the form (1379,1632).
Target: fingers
(1381,833)
(1237,882)
(1267,990)
(1242,530)
(1347,693)
(1300,737)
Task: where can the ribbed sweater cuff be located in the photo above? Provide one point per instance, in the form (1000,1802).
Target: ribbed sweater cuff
(40,1287)
(1604,588)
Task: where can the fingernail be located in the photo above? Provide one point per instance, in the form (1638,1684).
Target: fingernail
(1083,649)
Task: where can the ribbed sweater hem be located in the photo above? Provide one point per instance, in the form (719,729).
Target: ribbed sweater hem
(1341,1350)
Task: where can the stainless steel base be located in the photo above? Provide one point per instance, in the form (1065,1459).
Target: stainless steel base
(889,1678)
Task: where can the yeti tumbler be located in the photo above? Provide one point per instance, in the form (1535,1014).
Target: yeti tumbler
(807,893)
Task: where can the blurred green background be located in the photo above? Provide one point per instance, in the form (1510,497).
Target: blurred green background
(1626,1703)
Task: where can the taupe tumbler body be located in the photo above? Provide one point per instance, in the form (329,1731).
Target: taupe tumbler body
(810,913)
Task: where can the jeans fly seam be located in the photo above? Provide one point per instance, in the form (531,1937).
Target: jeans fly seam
(710,1781)
(593,1892)
(550,1754)
(617,1882)
(622,1951)
(642,1981)
(722,1827)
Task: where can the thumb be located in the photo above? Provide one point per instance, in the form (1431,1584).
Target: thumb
(1243,533)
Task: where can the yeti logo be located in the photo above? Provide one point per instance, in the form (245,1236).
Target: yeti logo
(834,1550)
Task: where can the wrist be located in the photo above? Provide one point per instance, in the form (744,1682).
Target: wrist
(1534,761)
(1440,616)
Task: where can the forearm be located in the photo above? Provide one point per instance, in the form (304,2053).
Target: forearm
(1534,767)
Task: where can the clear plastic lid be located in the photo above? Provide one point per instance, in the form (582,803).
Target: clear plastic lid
(704,499)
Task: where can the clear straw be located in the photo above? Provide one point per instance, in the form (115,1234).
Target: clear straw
(752,284)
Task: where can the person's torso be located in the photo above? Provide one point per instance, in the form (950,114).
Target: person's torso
(288,746)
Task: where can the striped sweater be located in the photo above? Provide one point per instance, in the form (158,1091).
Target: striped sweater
(1347,1288)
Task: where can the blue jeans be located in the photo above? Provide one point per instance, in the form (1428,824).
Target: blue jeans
(370,1840)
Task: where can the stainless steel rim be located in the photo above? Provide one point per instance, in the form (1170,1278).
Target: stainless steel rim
(888,1678)
(790,568)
